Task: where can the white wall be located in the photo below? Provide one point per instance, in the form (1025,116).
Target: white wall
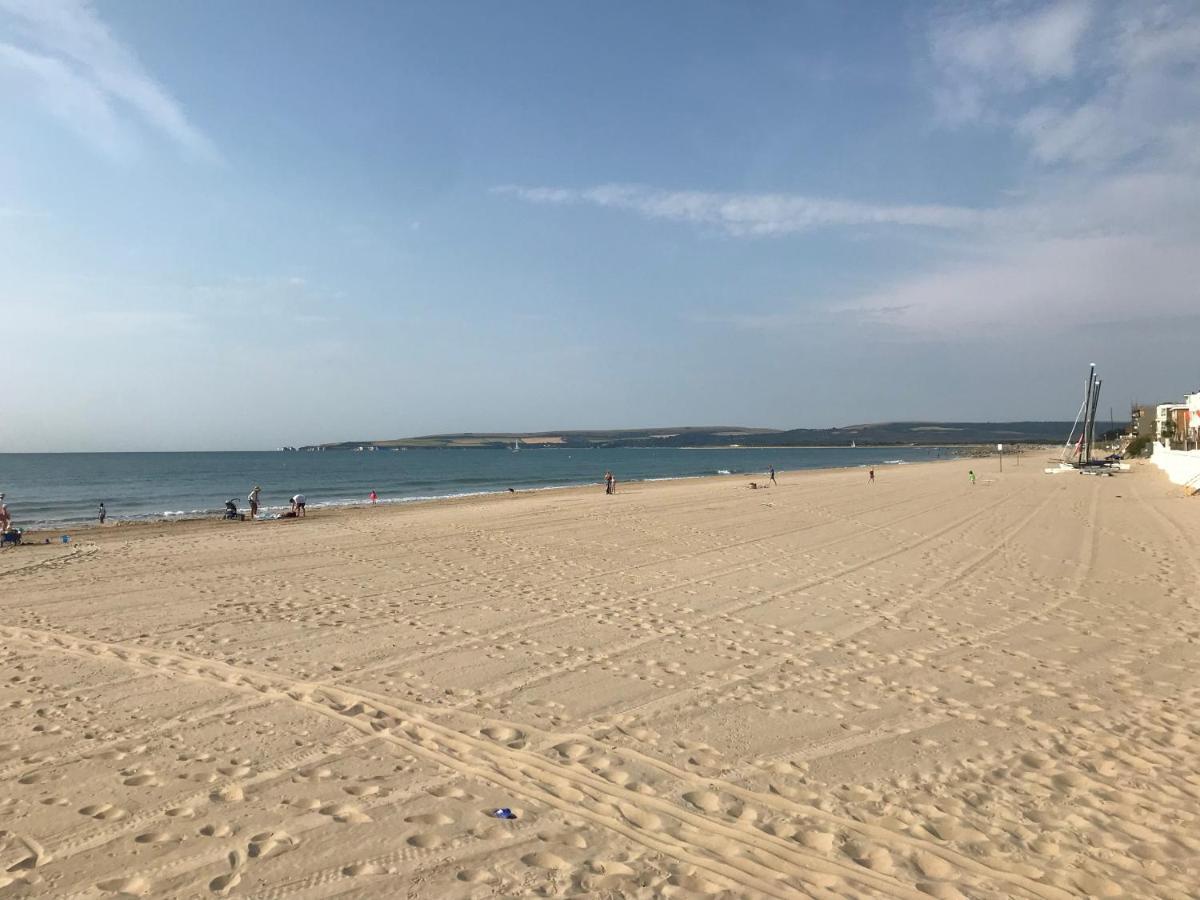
(1181,466)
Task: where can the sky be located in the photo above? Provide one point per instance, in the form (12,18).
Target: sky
(229,225)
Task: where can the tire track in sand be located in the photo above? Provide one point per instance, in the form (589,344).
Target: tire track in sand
(748,858)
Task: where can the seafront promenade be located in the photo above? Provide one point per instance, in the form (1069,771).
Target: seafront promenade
(827,688)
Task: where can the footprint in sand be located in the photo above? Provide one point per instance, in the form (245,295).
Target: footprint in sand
(126,887)
(448,793)
(506,735)
(476,876)
(230,793)
(313,775)
(270,843)
(703,800)
(426,840)
(223,884)
(141,779)
(932,866)
(105,812)
(157,837)
(572,751)
(365,868)
(344,813)
(546,860)
(38,778)
(821,841)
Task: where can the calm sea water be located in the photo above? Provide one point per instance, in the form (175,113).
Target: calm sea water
(61,488)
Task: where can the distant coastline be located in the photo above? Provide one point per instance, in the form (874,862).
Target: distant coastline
(884,434)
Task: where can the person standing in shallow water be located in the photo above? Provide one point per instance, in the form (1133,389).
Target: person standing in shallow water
(374,497)
(102,514)
(252,499)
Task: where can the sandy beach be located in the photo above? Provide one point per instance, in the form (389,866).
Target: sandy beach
(690,689)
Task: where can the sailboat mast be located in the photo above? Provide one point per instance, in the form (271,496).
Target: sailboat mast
(1095,406)
(1087,414)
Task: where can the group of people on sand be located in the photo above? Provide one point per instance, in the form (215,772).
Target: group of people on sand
(610,483)
(296,506)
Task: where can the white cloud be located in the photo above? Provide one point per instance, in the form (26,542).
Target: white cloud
(71,61)
(1044,287)
(980,52)
(1108,228)
(1079,82)
(747,214)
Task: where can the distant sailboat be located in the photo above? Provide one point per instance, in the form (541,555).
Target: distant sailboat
(852,444)
(515,446)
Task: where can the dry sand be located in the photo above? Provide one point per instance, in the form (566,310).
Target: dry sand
(825,689)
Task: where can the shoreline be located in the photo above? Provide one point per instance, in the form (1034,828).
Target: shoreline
(130,527)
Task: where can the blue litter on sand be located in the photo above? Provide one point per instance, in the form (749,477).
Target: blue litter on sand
(66,539)
(504,813)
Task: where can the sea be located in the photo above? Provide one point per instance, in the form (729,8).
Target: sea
(59,489)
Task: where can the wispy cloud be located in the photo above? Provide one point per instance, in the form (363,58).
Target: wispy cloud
(1109,226)
(1079,82)
(62,53)
(746,214)
(981,51)
(1044,286)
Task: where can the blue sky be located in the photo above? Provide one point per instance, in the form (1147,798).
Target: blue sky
(241,225)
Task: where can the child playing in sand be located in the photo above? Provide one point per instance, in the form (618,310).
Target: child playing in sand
(971,475)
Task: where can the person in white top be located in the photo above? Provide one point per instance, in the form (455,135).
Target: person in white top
(298,504)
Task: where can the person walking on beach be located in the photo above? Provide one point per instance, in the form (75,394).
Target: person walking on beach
(971,475)
(252,499)
(374,497)
(773,481)
(871,477)
(103,514)
(298,504)
(608,482)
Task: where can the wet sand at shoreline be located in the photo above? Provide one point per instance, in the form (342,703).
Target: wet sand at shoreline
(909,689)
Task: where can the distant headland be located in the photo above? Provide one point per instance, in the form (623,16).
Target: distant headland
(870,435)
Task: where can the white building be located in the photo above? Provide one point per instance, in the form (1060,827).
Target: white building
(1172,413)
(1192,401)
